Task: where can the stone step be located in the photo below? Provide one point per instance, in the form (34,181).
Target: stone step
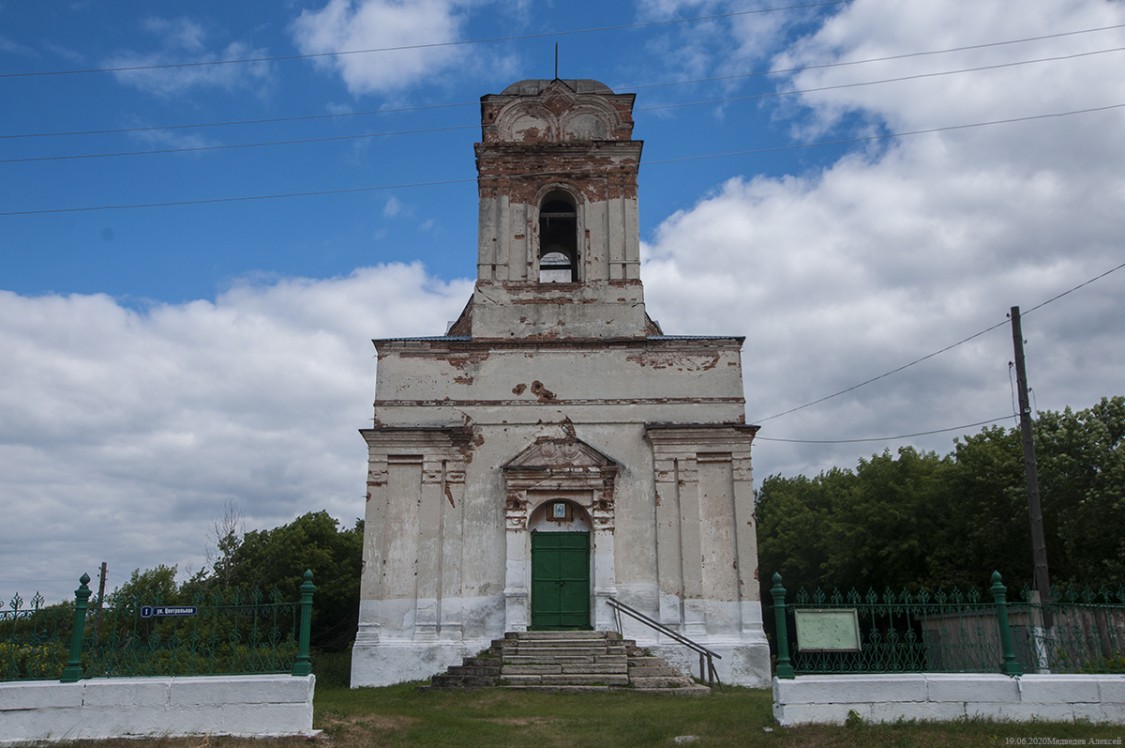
(563,650)
(532,659)
(566,679)
(471,670)
(570,634)
(613,660)
(646,666)
(586,668)
(567,660)
(585,640)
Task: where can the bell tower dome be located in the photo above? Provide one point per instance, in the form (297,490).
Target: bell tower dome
(558,246)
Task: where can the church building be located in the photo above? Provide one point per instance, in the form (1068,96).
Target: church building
(555,449)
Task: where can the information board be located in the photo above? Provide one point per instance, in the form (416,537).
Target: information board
(827,629)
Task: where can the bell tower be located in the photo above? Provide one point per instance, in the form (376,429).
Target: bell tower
(558,247)
(554,450)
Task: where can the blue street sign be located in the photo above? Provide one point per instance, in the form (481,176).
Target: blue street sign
(162,611)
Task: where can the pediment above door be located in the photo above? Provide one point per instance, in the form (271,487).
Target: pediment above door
(561,454)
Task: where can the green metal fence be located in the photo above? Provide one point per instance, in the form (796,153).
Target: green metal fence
(948,631)
(33,638)
(227,632)
(1078,630)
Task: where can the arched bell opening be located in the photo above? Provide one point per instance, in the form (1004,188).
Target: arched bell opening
(558,238)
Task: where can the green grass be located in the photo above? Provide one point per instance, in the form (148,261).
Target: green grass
(404,716)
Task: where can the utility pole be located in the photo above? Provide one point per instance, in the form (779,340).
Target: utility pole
(101,598)
(1034,507)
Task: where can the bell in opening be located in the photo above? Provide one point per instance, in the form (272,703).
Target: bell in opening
(558,239)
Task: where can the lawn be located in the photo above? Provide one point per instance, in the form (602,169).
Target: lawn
(405,716)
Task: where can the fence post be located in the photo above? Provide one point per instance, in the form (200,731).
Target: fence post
(784,668)
(303,665)
(1000,596)
(73,670)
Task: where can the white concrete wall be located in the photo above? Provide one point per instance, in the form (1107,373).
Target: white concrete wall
(827,699)
(244,705)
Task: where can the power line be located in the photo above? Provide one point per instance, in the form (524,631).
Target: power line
(882,438)
(240,198)
(375,188)
(927,357)
(228,123)
(429,45)
(237,146)
(884,136)
(915,76)
(887,58)
(361,136)
(1072,290)
(883,375)
(626,87)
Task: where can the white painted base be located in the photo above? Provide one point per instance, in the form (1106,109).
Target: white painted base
(742,664)
(242,705)
(732,630)
(828,699)
(386,663)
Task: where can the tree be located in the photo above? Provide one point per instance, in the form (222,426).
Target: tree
(915,518)
(990,530)
(889,524)
(264,559)
(1082,478)
(795,519)
(155,586)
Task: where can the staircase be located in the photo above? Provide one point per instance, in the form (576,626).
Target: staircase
(567,661)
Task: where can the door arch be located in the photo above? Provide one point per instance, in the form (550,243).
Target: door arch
(547,472)
(560,566)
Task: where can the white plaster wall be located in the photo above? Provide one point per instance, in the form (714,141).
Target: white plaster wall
(438,383)
(243,705)
(828,699)
(604,396)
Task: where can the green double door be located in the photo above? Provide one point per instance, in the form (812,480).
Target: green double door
(560,580)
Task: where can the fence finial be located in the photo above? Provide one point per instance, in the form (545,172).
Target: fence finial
(303,665)
(1000,595)
(784,667)
(72,673)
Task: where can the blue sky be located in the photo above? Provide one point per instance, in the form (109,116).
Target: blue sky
(161,362)
(182,253)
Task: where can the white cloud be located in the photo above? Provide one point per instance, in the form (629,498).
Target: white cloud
(844,274)
(732,39)
(392,207)
(125,432)
(347,25)
(12,47)
(871,29)
(183,40)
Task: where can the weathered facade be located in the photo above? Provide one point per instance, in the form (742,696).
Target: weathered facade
(555,448)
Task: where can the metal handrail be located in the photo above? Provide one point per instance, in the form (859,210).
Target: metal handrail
(709,674)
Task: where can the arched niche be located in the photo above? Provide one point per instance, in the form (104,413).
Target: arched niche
(527,122)
(592,120)
(559,515)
